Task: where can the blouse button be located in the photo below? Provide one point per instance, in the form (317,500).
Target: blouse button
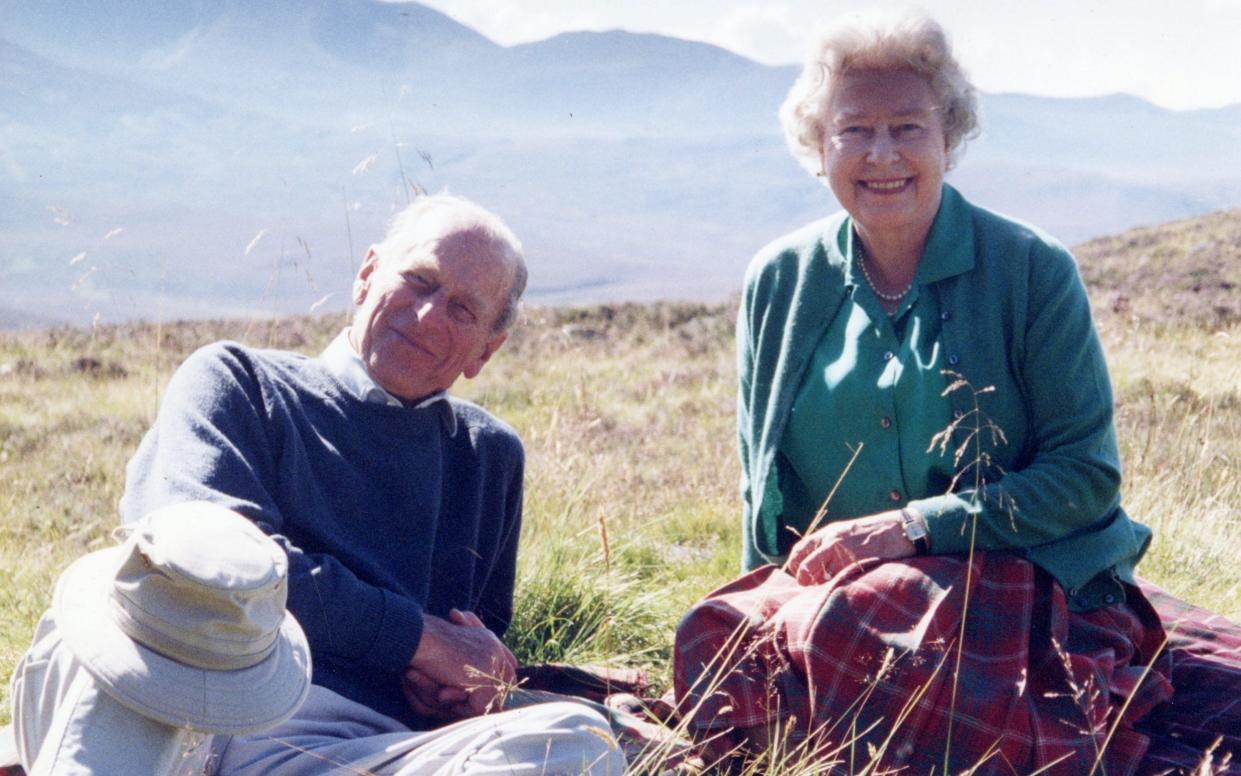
(953,360)
(945,316)
(895,495)
(886,422)
(888,356)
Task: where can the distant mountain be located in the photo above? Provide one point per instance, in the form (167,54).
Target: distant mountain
(1118,135)
(211,157)
(621,82)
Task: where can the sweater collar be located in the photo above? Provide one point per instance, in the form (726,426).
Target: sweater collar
(344,363)
(949,246)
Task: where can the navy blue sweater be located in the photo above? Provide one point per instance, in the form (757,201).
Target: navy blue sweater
(384,513)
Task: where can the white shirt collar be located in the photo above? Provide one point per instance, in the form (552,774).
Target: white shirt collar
(346,365)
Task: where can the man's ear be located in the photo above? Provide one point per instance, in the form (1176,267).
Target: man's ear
(474,367)
(362,283)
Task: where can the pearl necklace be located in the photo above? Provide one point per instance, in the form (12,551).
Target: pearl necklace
(861,262)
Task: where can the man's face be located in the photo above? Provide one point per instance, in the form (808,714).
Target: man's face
(426,311)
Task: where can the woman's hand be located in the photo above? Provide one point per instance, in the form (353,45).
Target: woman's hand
(821,555)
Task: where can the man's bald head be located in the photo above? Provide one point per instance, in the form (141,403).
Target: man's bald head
(432,217)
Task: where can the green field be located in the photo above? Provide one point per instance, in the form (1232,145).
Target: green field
(627,415)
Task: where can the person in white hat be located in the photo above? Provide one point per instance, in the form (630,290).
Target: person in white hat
(398,506)
(172,653)
(153,646)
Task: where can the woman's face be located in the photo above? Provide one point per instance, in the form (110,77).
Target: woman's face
(884,151)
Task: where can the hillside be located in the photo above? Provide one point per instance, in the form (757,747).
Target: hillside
(1186,271)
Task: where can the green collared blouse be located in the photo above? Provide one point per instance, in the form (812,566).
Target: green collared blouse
(867,409)
(1013,320)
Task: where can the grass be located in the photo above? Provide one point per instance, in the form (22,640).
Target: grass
(627,415)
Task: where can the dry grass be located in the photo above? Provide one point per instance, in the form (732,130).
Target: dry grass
(1179,420)
(627,415)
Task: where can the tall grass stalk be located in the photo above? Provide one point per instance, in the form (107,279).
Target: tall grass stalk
(976,466)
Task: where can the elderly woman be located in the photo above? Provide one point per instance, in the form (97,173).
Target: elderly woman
(927,446)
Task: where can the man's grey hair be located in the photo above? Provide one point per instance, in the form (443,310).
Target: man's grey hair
(407,230)
(913,41)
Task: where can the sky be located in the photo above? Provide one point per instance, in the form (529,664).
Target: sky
(1179,54)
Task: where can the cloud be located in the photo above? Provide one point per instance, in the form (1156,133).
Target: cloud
(170,56)
(761,31)
(509,23)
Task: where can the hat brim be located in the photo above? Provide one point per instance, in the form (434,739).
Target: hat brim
(225,702)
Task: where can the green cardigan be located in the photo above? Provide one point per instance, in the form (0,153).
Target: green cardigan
(1015,319)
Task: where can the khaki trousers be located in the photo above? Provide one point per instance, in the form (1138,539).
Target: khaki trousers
(334,735)
(65,725)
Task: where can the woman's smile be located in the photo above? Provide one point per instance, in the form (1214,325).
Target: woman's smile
(886,186)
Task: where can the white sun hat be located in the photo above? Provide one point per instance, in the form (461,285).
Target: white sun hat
(185,622)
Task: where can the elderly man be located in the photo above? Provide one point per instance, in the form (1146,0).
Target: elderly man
(399,508)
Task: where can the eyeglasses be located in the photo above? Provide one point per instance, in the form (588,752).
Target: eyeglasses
(912,129)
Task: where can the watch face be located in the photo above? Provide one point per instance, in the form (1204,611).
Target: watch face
(915,530)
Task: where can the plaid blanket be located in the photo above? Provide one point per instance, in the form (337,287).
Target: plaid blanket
(932,664)
(1203,660)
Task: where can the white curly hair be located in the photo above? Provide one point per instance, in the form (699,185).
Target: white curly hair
(909,42)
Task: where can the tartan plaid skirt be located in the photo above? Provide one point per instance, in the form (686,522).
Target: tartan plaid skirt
(942,662)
